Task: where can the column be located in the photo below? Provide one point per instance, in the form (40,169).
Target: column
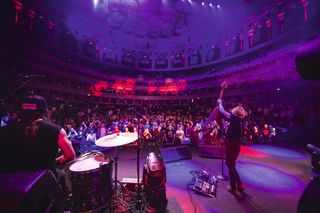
(268,25)
(280,17)
(226,47)
(32,14)
(18,7)
(104,53)
(241,38)
(170,58)
(97,52)
(184,57)
(51,27)
(250,37)
(305,4)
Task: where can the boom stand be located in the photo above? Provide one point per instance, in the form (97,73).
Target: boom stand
(115,169)
(11,94)
(139,200)
(222,176)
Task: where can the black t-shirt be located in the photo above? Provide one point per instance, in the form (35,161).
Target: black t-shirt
(158,135)
(170,135)
(19,153)
(234,132)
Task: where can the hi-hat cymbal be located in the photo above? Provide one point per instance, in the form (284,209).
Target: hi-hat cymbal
(117,139)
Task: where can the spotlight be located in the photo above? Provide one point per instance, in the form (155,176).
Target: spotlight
(210,4)
(218,6)
(95,3)
(154,180)
(202,3)
(154,172)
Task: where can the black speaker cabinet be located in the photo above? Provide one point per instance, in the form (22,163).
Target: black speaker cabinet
(36,191)
(176,153)
(211,151)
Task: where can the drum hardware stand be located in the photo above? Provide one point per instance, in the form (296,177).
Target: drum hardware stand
(220,176)
(115,169)
(138,198)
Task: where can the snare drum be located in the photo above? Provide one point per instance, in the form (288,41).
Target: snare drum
(91,181)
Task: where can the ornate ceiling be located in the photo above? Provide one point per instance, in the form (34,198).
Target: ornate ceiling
(165,24)
(145,19)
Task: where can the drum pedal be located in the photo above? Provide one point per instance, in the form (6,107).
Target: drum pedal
(131,183)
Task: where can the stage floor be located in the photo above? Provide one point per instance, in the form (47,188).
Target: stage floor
(274,178)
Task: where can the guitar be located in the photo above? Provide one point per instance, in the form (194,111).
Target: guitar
(214,115)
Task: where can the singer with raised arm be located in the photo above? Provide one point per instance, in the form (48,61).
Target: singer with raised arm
(215,114)
(233,140)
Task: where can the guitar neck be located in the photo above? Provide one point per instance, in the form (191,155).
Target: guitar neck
(221,93)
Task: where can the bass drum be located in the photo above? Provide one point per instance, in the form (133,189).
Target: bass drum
(91,182)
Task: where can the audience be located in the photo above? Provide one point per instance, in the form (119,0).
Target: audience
(175,125)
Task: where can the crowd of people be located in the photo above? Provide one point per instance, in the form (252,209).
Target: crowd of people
(168,125)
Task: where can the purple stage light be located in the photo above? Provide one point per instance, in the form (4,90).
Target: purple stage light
(279,152)
(269,178)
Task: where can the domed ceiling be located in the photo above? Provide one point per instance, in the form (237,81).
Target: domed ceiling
(162,24)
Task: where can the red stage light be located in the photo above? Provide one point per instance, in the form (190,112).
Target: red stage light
(98,88)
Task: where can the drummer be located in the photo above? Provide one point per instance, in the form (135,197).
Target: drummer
(32,142)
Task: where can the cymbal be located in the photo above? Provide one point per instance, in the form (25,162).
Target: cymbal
(117,139)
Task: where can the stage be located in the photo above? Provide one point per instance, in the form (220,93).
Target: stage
(274,178)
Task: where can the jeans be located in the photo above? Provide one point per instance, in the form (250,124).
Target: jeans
(232,153)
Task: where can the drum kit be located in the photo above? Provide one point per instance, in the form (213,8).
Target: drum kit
(91,174)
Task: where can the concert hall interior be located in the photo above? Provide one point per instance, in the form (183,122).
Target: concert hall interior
(213,105)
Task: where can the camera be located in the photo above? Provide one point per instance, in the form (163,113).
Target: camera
(314,151)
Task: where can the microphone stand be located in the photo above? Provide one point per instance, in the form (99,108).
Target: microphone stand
(14,91)
(222,176)
(139,199)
